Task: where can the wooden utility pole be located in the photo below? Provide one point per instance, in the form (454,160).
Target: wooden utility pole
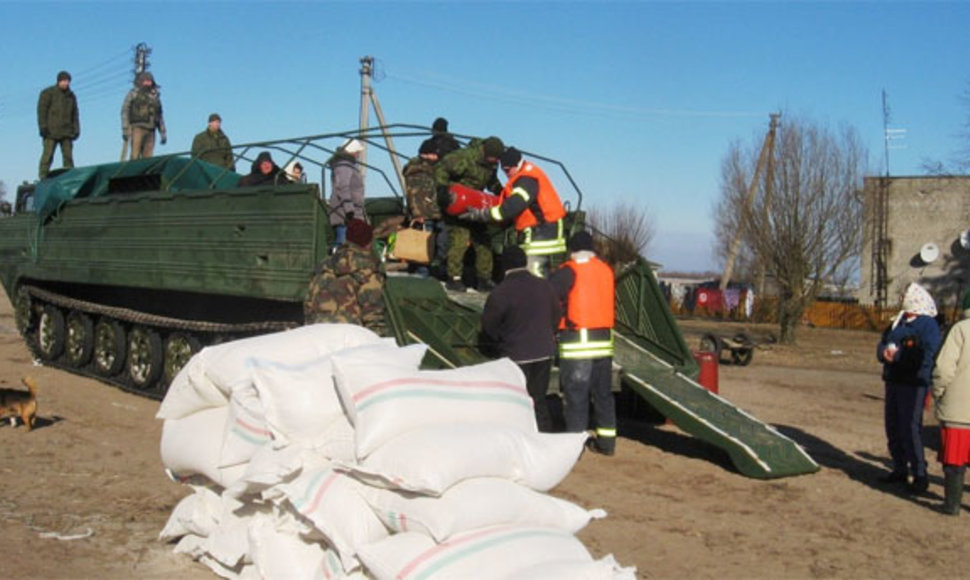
(369,98)
(767,149)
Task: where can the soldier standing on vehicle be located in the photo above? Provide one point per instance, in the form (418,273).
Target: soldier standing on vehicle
(474,166)
(422,196)
(213,146)
(585,286)
(58,122)
(530,201)
(141,115)
(348,286)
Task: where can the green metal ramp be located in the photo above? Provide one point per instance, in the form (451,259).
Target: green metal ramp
(656,365)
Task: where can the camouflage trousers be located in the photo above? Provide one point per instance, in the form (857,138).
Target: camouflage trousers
(459,236)
(47,155)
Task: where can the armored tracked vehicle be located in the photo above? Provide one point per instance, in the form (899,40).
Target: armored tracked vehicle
(122,271)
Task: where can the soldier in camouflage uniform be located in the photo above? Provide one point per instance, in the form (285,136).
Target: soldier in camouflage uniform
(347,287)
(213,146)
(141,115)
(422,196)
(474,166)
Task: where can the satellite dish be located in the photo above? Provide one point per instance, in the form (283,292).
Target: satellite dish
(965,240)
(929,253)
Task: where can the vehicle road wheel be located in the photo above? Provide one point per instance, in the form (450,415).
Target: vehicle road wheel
(50,333)
(109,347)
(80,338)
(711,343)
(24,311)
(144,357)
(179,348)
(742,356)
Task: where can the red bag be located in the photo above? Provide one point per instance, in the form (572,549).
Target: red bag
(463,198)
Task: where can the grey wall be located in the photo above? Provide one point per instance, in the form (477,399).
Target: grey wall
(920,210)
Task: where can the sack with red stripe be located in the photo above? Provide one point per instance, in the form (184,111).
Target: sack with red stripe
(462,198)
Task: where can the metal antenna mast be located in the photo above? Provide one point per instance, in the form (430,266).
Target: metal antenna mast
(369,98)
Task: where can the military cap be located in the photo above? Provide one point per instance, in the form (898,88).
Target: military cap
(215,117)
(492,147)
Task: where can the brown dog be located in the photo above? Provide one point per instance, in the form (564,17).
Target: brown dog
(14,402)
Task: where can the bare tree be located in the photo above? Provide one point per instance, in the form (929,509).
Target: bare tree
(960,162)
(628,231)
(3,190)
(805,224)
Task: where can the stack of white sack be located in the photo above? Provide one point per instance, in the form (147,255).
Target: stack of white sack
(324,452)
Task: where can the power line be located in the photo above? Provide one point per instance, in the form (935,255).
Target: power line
(505,94)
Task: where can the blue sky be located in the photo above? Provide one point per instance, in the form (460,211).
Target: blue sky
(640,100)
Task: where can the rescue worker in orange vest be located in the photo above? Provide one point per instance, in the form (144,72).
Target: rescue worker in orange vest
(585,286)
(530,201)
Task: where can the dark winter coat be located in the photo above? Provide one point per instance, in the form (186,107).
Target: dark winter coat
(214,148)
(521,316)
(57,114)
(918,341)
(256,177)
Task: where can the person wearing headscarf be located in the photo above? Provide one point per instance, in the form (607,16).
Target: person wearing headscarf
(347,188)
(907,350)
(951,392)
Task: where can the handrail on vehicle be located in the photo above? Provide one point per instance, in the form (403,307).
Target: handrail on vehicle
(297,149)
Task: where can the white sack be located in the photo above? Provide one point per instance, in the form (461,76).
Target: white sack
(209,378)
(198,513)
(383,402)
(475,503)
(331,502)
(247,430)
(231,365)
(193,444)
(300,400)
(280,553)
(432,459)
(490,553)
(605,568)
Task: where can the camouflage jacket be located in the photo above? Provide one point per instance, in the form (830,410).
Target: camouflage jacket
(214,148)
(347,287)
(468,167)
(421,191)
(57,116)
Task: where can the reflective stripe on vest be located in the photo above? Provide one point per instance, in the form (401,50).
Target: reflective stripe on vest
(585,346)
(550,206)
(605,432)
(532,247)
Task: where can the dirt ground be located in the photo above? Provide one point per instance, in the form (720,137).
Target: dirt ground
(84,495)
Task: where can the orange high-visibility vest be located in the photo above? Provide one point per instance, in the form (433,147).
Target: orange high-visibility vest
(549,203)
(590,301)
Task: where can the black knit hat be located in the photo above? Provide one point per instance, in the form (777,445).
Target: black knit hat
(581,240)
(513,257)
(492,147)
(215,117)
(510,157)
(440,125)
(63,76)
(427,146)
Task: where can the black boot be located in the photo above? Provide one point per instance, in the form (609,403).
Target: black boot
(952,489)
